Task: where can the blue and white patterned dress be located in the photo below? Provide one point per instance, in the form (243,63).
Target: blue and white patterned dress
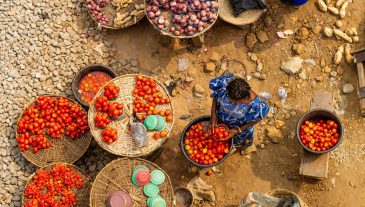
(237,114)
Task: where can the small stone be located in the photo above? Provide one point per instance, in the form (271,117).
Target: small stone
(189,79)
(256,75)
(303,75)
(123,62)
(293,113)
(327,69)
(92,167)
(294,155)
(319,78)
(259,67)
(262,146)
(251,40)
(274,134)
(317,29)
(250,149)
(279,124)
(253,57)
(322,63)
(328,32)
(182,65)
(262,36)
(209,67)
(333,182)
(298,49)
(303,32)
(134,63)
(268,21)
(293,65)
(347,88)
(352,184)
(263,77)
(215,57)
(198,89)
(186,116)
(339,23)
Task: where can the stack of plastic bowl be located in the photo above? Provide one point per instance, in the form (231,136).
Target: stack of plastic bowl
(141,176)
(155,123)
(119,199)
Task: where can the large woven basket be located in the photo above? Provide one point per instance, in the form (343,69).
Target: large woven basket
(125,144)
(282,193)
(169,17)
(63,150)
(110,12)
(246,17)
(116,176)
(82,194)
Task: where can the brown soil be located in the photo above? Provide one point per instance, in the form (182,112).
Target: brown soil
(276,166)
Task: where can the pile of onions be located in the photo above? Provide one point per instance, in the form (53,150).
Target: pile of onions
(188,16)
(95,9)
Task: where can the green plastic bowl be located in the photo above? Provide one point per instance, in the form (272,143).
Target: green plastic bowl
(151,190)
(161,125)
(151,122)
(139,167)
(150,200)
(157,177)
(158,202)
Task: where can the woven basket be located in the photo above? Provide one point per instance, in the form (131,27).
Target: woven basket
(110,12)
(246,17)
(282,193)
(169,17)
(63,150)
(82,194)
(117,176)
(125,144)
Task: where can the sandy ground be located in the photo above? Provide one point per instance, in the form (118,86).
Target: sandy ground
(277,165)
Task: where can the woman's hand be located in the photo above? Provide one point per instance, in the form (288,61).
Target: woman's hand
(232,133)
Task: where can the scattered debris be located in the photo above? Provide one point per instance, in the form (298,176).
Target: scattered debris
(285,34)
(293,65)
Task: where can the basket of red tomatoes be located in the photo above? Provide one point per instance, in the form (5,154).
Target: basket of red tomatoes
(319,131)
(87,82)
(205,147)
(58,184)
(53,129)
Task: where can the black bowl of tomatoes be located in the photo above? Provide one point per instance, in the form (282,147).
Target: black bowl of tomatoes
(319,131)
(87,82)
(204,147)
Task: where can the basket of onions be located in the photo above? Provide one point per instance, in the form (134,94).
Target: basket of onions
(182,18)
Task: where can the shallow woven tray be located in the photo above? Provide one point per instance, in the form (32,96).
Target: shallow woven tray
(117,176)
(282,193)
(82,194)
(169,17)
(110,12)
(65,150)
(125,144)
(246,17)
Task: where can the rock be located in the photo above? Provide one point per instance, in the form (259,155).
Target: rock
(198,89)
(322,63)
(215,57)
(339,23)
(317,29)
(293,65)
(189,79)
(347,88)
(352,184)
(251,40)
(279,124)
(182,65)
(256,75)
(201,190)
(262,146)
(186,116)
(303,75)
(134,63)
(303,32)
(298,49)
(319,78)
(253,57)
(263,77)
(268,21)
(274,134)
(327,69)
(262,36)
(328,32)
(209,67)
(333,182)
(92,167)
(250,149)
(259,67)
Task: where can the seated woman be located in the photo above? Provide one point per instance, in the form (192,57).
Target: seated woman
(237,106)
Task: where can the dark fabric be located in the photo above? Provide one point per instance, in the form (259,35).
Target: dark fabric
(240,6)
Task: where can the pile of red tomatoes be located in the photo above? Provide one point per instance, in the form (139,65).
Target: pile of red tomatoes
(106,110)
(319,136)
(90,84)
(146,99)
(50,116)
(54,187)
(206,148)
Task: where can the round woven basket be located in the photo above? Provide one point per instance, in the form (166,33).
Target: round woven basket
(125,144)
(246,17)
(82,194)
(117,176)
(110,11)
(282,193)
(63,150)
(169,17)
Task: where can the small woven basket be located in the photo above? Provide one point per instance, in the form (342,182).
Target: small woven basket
(82,194)
(282,193)
(246,17)
(169,17)
(125,144)
(65,149)
(110,12)
(116,176)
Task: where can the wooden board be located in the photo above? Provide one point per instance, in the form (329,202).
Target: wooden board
(312,165)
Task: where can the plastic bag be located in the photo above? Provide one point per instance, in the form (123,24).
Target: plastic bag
(139,134)
(240,6)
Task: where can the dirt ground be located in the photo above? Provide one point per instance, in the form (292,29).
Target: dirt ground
(277,165)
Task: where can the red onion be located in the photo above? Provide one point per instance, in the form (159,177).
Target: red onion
(177,33)
(193,17)
(155,8)
(203,13)
(204,19)
(172,29)
(151,15)
(158,13)
(160,26)
(148,8)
